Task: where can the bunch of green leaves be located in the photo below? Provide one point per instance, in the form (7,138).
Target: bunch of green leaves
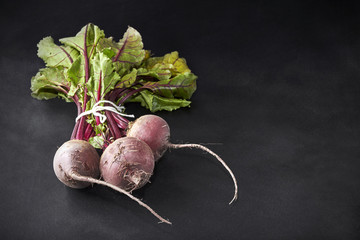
(89,67)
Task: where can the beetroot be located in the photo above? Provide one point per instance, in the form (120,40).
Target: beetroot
(155,131)
(76,157)
(127,163)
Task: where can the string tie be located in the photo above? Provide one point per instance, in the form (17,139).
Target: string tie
(96,111)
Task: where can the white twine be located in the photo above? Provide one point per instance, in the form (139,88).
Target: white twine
(96,111)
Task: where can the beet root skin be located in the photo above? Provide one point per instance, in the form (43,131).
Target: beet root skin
(127,163)
(154,131)
(76,156)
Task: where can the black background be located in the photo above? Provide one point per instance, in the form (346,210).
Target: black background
(278,94)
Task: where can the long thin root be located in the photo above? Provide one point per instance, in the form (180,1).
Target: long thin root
(193,145)
(79,177)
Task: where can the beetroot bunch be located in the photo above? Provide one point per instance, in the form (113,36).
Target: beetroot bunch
(100,76)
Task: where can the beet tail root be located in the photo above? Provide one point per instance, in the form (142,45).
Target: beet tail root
(198,146)
(78,177)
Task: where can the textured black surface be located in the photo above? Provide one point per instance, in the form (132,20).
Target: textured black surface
(278,87)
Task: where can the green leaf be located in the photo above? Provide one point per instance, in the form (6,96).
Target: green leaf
(128,52)
(86,40)
(54,55)
(181,86)
(159,72)
(178,64)
(128,79)
(104,77)
(49,83)
(157,103)
(108,46)
(76,76)
(169,65)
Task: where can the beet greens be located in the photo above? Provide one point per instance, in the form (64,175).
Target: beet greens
(92,71)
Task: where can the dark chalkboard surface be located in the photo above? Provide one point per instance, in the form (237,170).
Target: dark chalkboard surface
(278,99)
